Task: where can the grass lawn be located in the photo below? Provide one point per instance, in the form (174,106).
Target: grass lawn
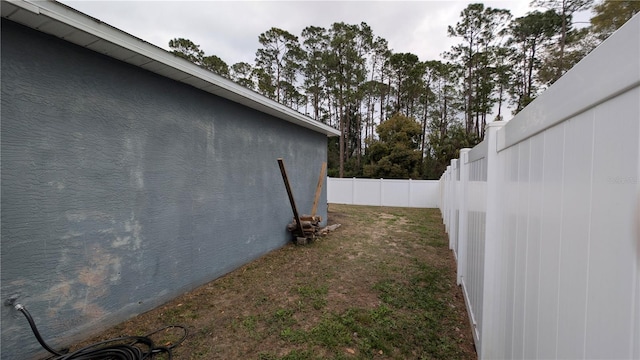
(381,286)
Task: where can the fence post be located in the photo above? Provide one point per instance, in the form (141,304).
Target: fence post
(353,191)
(440,190)
(409,200)
(445,202)
(448,203)
(492,331)
(454,208)
(381,191)
(463,242)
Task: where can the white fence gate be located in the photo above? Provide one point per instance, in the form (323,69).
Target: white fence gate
(544,217)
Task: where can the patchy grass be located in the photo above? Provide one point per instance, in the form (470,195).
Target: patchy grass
(381,286)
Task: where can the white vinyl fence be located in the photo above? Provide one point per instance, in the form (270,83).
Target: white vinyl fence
(384,192)
(544,217)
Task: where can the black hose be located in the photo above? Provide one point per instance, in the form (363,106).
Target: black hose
(35,329)
(121,348)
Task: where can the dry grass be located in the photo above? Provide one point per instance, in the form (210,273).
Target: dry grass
(381,286)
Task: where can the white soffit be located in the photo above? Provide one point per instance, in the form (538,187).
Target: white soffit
(73,26)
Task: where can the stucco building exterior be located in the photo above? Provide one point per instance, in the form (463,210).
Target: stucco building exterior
(129,175)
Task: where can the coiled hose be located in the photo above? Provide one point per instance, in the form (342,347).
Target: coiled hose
(121,348)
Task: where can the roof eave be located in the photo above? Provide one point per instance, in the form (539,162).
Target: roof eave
(76,27)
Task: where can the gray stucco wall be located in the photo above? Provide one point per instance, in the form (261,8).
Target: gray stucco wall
(122,189)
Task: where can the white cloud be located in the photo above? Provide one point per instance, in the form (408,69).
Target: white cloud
(230,29)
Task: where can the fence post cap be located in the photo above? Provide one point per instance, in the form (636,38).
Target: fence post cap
(496,124)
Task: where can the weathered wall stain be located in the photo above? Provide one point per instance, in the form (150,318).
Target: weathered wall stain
(122,189)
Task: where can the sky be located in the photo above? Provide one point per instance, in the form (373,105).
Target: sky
(230,29)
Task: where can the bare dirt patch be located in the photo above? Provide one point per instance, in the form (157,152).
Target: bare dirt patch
(381,286)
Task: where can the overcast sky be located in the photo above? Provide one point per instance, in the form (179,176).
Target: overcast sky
(230,29)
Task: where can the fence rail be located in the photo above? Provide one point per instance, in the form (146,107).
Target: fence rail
(384,192)
(544,217)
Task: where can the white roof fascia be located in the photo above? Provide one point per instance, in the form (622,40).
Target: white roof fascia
(168,64)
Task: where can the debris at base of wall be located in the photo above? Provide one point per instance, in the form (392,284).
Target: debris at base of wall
(310,225)
(327,229)
(305,228)
(311,229)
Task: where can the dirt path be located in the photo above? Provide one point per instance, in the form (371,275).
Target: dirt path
(381,286)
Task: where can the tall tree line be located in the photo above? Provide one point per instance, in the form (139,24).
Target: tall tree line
(400,116)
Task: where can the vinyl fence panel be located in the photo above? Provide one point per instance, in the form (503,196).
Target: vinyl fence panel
(384,192)
(547,231)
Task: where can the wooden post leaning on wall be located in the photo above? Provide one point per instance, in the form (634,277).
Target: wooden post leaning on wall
(316,199)
(283,171)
